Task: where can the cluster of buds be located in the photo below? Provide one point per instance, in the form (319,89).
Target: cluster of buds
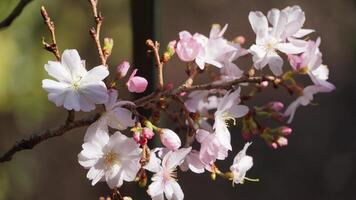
(276,137)
(142,135)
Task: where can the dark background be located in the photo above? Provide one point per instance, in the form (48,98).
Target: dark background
(319,162)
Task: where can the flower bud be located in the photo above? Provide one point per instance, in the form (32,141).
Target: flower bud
(240,40)
(127,198)
(282,141)
(276,106)
(122,69)
(147,133)
(274,145)
(264,84)
(108,45)
(136,84)
(285,130)
(170,139)
(136,136)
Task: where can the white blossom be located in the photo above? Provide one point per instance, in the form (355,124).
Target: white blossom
(112,159)
(76,88)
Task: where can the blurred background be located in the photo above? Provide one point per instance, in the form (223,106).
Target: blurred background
(319,162)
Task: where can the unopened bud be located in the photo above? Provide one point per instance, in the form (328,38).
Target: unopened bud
(108,45)
(122,69)
(276,106)
(285,130)
(136,136)
(264,84)
(240,40)
(274,145)
(282,141)
(170,139)
(148,133)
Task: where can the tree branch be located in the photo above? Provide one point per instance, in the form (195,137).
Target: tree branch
(95,32)
(154,46)
(53,47)
(51,133)
(36,139)
(14,14)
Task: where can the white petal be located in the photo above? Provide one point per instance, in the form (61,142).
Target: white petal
(56,91)
(95,93)
(273,16)
(177,191)
(58,71)
(259,24)
(96,74)
(98,133)
(71,59)
(238,111)
(71,101)
(96,173)
(303,32)
(290,48)
(275,64)
(173,159)
(155,189)
(120,118)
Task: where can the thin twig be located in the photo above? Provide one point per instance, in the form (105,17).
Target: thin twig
(154,46)
(51,133)
(14,14)
(95,32)
(53,47)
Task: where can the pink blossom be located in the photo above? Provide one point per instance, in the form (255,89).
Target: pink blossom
(211,148)
(276,106)
(136,84)
(188,47)
(122,69)
(170,139)
(147,133)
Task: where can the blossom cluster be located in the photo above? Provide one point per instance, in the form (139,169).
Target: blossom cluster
(116,148)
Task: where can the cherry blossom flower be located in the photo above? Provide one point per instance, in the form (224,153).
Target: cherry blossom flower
(169,139)
(192,161)
(228,108)
(136,84)
(311,62)
(242,163)
(306,97)
(165,179)
(269,40)
(216,50)
(188,46)
(76,88)
(211,148)
(115,116)
(112,159)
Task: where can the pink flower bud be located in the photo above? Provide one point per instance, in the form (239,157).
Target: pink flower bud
(240,39)
(136,83)
(187,47)
(282,141)
(147,133)
(276,106)
(143,141)
(172,46)
(170,139)
(274,145)
(264,84)
(122,69)
(285,130)
(136,136)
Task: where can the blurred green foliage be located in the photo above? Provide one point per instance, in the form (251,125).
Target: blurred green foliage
(22,100)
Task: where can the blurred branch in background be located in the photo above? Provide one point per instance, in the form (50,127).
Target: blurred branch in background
(14,14)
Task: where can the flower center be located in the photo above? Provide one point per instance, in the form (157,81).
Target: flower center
(169,174)
(111,158)
(76,83)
